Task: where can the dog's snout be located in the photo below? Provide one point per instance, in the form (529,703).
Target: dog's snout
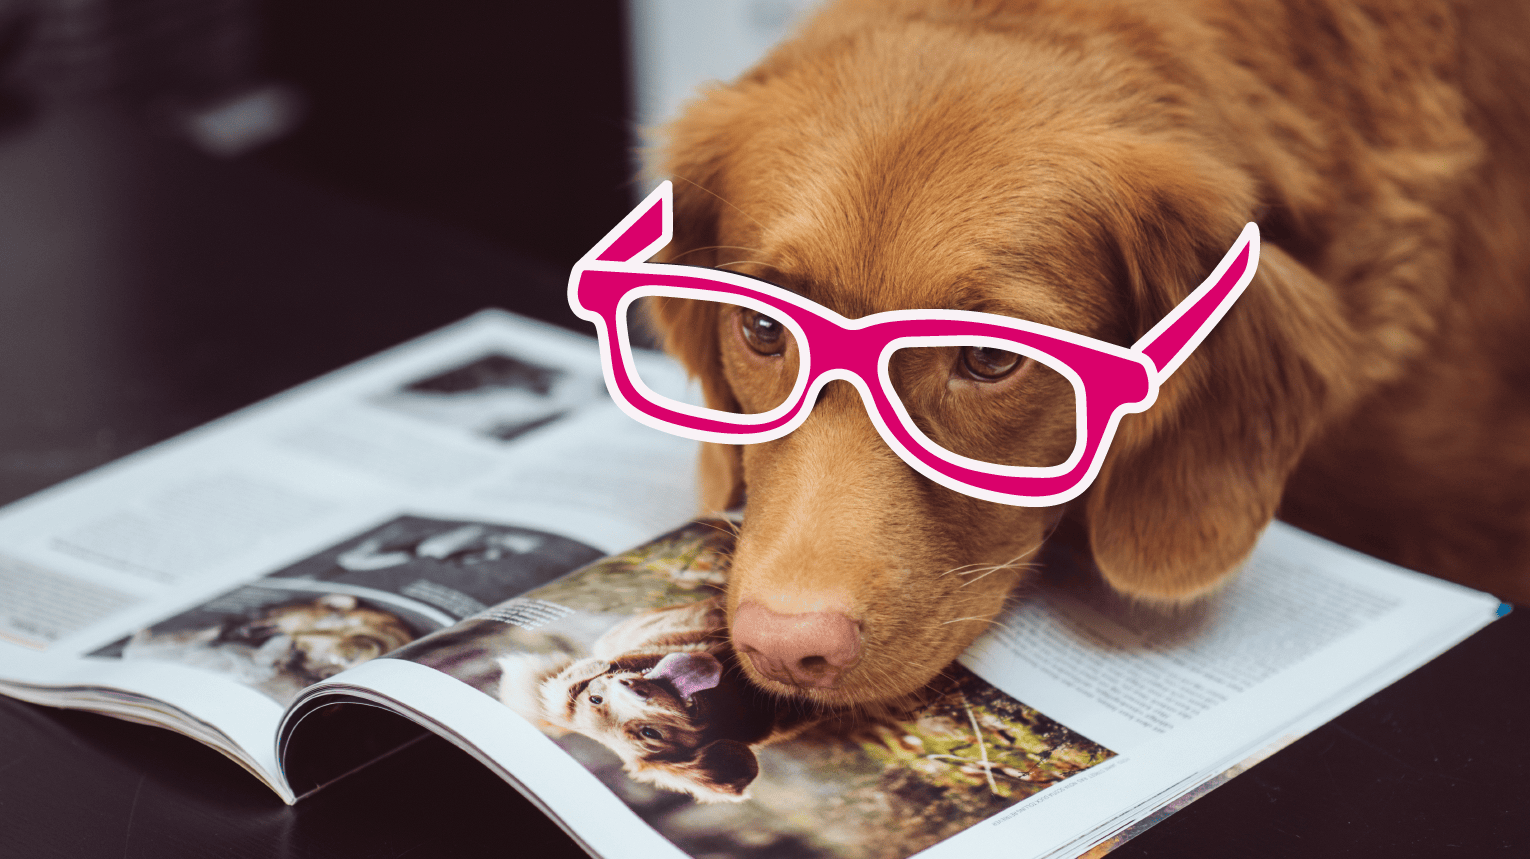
(811,649)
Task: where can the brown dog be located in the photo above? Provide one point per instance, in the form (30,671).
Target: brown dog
(1084,165)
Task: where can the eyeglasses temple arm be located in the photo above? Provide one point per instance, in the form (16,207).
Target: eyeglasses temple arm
(641,234)
(1173,339)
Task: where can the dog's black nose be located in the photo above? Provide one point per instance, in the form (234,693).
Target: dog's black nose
(811,650)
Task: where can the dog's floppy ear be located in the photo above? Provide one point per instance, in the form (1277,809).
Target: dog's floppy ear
(721,771)
(689,332)
(1189,484)
(699,146)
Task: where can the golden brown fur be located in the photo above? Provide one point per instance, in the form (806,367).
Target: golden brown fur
(1084,165)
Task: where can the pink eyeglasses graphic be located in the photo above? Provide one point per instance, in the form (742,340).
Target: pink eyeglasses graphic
(1108,381)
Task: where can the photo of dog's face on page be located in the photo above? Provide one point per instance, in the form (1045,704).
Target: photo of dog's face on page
(276,641)
(663,692)
(1085,166)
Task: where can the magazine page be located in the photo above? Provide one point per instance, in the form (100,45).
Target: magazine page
(1191,697)
(203,582)
(612,698)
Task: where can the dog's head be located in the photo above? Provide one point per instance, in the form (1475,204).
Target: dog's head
(318,639)
(655,711)
(923,164)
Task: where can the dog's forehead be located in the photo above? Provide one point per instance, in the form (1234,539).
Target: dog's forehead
(877,218)
(860,252)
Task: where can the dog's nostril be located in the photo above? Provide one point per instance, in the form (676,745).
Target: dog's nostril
(812,649)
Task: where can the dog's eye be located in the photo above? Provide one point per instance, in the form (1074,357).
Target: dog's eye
(763,334)
(597,700)
(988,365)
(651,733)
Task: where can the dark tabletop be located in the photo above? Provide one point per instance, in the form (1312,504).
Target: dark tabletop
(145,289)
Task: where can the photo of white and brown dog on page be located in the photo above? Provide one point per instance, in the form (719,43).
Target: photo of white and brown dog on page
(663,691)
(1084,165)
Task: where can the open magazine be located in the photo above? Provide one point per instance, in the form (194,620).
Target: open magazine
(445,533)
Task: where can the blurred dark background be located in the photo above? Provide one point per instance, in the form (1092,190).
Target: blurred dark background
(508,121)
(204,202)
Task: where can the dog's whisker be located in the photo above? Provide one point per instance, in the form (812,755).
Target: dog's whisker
(681,256)
(721,248)
(744,262)
(979,575)
(983,618)
(1016,559)
(991,570)
(731,531)
(1013,563)
(957,571)
(698,186)
(969,569)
